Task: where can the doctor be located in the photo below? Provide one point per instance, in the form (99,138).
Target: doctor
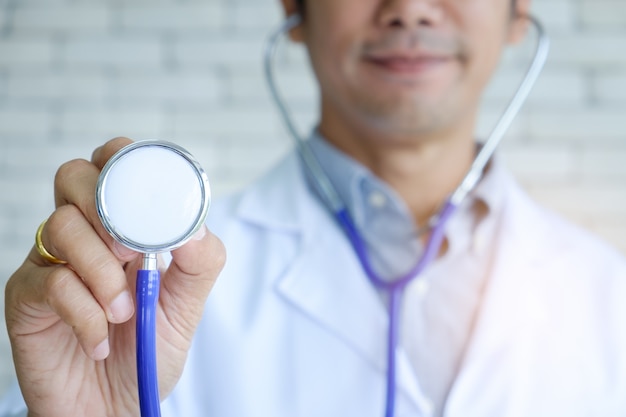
(522,314)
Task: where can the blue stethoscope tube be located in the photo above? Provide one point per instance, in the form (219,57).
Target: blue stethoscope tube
(395,288)
(148,284)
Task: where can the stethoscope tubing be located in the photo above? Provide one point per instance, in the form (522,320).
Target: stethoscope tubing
(148,284)
(395,288)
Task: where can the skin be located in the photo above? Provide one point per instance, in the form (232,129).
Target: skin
(400,84)
(73,343)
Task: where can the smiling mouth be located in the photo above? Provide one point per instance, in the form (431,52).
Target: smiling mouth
(408,65)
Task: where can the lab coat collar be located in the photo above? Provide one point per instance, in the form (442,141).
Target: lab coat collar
(327,291)
(333,292)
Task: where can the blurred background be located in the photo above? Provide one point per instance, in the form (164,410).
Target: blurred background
(74,73)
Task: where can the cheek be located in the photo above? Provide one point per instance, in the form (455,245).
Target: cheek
(486,32)
(326,61)
(330,34)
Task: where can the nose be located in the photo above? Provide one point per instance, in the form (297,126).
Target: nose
(409,14)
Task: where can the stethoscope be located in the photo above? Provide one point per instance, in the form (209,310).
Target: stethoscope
(395,288)
(151,196)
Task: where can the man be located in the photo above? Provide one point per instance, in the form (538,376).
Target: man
(521,314)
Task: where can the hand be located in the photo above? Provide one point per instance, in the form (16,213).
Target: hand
(70,325)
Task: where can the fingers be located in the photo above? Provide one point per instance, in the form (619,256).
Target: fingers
(75,184)
(38,299)
(70,236)
(92,290)
(72,301)
(102,154)
(189,279)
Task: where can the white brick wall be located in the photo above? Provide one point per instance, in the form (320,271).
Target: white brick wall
(75,73)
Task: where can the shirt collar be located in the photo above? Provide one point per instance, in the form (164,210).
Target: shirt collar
(359,188)
(366,196)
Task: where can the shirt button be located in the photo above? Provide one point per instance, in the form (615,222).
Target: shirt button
(428,406)
(377,199)
(421,287)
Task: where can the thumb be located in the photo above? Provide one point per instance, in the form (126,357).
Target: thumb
(188,281)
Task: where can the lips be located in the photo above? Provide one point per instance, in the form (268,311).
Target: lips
(406,63)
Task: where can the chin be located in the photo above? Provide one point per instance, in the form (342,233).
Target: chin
(402,123)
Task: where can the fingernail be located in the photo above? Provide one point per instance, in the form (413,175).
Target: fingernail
(200,233)
(121,308)
(101,351)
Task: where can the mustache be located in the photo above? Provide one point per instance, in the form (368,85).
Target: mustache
(417,40)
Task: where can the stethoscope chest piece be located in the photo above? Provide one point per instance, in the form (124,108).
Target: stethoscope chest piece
(152,196)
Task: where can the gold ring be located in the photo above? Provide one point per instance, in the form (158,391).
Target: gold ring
(42,249)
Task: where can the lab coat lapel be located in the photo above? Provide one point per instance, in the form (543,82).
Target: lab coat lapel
(496,364)
(325,280)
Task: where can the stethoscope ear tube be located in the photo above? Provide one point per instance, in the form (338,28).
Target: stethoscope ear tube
(437,223)
(322,182)
(489,146)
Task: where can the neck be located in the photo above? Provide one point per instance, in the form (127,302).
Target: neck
(423,169)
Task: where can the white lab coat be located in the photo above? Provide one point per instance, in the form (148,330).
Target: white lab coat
(294,329)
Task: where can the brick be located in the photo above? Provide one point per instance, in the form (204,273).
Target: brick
(5,225)
(60,3)
(578,125)
(294,86)
(180,17)
(41,162)
(552,88)
(231,51)
(261,17)
(589,50)
(173,87)
(246,86)
(18,53)
(7,374)
(104,123)
(226,122)
(556,15)
(4,18)
(61,18)
(299,86)
(610,88)
(66,86)
(598,199)
(26,211)
(114,52)
(253,157)
(603,14)
(604,164)
(3,85)
(540,163)
(24,122)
